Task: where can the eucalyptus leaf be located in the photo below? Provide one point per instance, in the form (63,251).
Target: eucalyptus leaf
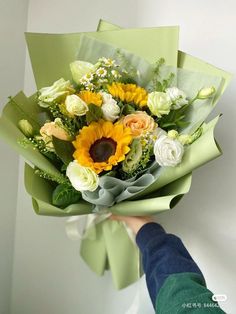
(64,150)
(65,195)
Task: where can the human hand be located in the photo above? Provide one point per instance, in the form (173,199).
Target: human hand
(134,222)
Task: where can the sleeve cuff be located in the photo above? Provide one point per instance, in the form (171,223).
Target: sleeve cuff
(147,232)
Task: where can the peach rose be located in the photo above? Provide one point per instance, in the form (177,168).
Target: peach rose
(139,123)
(56,129)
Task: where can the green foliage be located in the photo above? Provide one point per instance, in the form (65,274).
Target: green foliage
(129,73)
(128,109)
(65,195)
(60,178)
(174,120)
(64,150)
(93,114)
(158,83)
(69,123)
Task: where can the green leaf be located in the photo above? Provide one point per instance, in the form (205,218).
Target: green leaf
(128,109)
(64,150)
(182,124)
(93,114)
(159,87)
(65,195)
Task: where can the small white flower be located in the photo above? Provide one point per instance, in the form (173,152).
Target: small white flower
(107,62)
(75,105)
(58,91)
(83,81)
(87,78)
(110,109)
(101,72)
(177,96)
(115,74)
(159,103)
(89,86)
(82,178)
(102,81)
(168,152)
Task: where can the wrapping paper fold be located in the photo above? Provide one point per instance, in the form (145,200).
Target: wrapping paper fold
(107,245)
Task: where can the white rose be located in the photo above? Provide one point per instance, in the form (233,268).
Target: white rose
(75,105)
(82,178)
(110,109)
(58,91)
(79,69)
(177,96)
(159,103)
(168,152)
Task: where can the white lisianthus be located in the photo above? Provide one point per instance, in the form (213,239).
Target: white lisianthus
(75,105)
(82,178)
(159,103)
(58,91)
(167,151)
(177,96)
(206,92)
(110,109)
(80,68)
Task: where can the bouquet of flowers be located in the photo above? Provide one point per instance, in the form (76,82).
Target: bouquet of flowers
(113,132)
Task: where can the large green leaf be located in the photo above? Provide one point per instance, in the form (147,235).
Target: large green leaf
(65,195)
(64,150)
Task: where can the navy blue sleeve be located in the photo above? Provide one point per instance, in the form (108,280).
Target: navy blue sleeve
(163,255)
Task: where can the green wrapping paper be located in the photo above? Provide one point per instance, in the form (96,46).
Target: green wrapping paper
(50,64)
(112,248)
(107,245)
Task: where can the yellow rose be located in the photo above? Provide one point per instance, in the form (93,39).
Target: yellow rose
(139,123)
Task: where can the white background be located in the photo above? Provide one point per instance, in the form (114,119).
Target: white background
(48,274)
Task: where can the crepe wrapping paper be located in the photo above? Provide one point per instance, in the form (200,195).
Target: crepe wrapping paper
(103,243)
(50,64)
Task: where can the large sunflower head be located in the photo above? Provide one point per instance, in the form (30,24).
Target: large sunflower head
(102,145)
(130,93)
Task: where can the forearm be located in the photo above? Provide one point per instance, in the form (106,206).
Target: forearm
(173,278)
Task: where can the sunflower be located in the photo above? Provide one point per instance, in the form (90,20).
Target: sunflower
(129,93)
(102,145)
(90,97)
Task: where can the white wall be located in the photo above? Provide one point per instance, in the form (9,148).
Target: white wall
(13,19)
(49,276)
(206,217)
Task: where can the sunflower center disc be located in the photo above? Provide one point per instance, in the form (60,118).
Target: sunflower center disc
(102,149)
